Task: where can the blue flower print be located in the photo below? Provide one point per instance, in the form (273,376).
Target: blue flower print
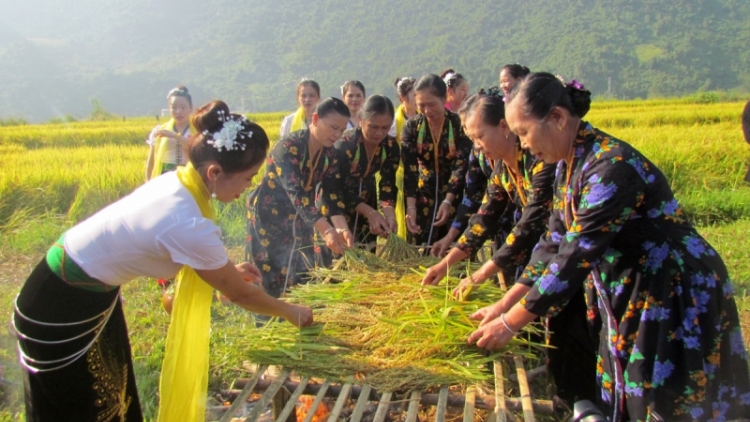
(556,237)
(662,371)
(696,412)
(671,207)
(656,256)
(728,288)
(695,245)
(654,212)
(585,242)
(691,342)
(736,345)
(598,194)
(655,313)
(640,167)
(745,398)
(549,284)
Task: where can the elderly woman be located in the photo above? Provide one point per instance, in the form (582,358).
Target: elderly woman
(73,341)
(365,152)
(671,346)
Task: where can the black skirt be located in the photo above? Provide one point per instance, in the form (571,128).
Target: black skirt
(98,384)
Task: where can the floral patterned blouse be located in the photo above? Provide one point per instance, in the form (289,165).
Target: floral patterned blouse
(671,344)
(518,206)
(432,169)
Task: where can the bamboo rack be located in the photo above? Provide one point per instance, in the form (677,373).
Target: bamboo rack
(284,390)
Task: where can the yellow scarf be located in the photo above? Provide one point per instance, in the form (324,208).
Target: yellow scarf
(184,373)
(400,206)
(160,147)
(298,123)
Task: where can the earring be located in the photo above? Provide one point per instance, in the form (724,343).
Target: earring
(213,194)
(559,128)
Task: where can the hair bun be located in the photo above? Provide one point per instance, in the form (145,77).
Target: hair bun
(211,116)
(579,96)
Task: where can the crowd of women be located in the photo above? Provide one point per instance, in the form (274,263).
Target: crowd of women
(587,237)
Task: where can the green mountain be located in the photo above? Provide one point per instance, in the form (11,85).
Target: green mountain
(55,55)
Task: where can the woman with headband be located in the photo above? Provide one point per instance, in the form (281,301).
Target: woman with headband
(169,144)
(73,340)
(308,95)
(457,89)
(353,94)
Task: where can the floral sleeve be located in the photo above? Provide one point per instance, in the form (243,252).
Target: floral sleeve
(487,220)
(286,160)
(476,184)
(609,195)
(334,183)
(533,222)
(387,188)
(460,162)
(409,157)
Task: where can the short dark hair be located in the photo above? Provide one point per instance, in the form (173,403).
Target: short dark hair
(434,83)
(308,82)
(349,84)
(376,105)
(541,92)
(516,70)
(181,91)
(332,105)
(209,119)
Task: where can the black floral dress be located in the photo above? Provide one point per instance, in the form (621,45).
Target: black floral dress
(519,207)
(358,177)
(282,211)
(432,169)
(478,173)
(671,343)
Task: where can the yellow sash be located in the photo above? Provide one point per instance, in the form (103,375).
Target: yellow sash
(160,147)
(400,206)
(298,123)
(184,373)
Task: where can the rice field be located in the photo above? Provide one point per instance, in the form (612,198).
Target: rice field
(54,175)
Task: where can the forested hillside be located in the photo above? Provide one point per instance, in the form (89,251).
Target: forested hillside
(55,55)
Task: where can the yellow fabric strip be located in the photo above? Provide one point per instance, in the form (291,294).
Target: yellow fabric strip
(160,147)
(299,120)
(400,210)
(184,373)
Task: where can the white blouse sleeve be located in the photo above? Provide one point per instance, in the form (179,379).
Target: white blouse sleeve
(392,132)
(195,242)
(286,126)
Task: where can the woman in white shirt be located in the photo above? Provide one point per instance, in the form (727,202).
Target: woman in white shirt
(169,143)
(308,96)
(353,94)
(73,341)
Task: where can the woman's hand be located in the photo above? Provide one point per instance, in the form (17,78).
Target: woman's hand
(348,237)
(464,287)
(488,313)
(435,273)
(298,315)
(443,214)
(411,220)
(335,241)
(392,224)
(166,133)
(249,272)
(442,246)
(378,225)
(492,335)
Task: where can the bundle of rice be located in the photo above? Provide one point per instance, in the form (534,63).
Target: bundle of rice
(377,325)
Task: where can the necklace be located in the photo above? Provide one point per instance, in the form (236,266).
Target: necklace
(568,197)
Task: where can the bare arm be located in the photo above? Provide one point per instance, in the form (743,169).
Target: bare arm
(252,297)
